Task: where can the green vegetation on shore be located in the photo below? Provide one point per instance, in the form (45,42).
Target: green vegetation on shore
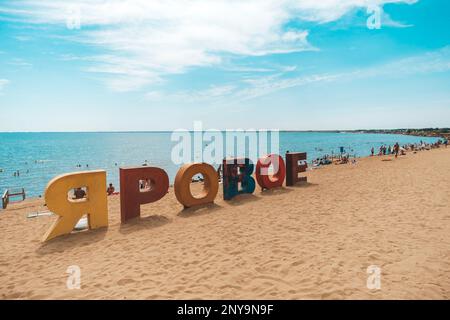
(425,132)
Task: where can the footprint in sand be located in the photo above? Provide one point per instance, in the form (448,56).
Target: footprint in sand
(297,263)
(125,281)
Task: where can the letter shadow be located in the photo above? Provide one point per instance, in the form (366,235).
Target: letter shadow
(301,185)
(242,199)
(274,191)
(142,223)
(199,210)
(72,240)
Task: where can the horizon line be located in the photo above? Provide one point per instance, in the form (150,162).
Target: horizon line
(280,130)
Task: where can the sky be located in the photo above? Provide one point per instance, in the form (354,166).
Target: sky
(143,65)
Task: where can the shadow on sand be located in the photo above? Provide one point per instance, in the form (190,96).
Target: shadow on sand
(74,239)
(243,199)
(274,192)
(302,185)
(142,223)
(199,210)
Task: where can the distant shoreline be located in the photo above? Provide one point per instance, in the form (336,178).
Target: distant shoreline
(420,132)
(433,133)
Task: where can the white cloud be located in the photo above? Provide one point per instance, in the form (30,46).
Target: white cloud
(22,38)
(387,21)
(429,62)
(323,11)
(267,85)
(259,86)
(18,62)
(147,40)
(212,93)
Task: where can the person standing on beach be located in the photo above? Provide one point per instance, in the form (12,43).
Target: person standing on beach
(219,172)
(372,151)
(396,149)
(79,193)
(110,189)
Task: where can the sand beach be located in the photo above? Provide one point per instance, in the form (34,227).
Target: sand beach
(312,241)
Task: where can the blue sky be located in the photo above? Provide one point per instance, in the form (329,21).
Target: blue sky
(109,65)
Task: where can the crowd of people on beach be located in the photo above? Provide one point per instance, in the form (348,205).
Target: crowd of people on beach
(383,150)
(80,193)
(327,159)
(401,150)
(323,161)
(342,158)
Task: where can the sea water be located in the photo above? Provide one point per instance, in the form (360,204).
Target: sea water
(39,157)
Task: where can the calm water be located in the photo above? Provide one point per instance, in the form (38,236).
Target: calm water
(42,156)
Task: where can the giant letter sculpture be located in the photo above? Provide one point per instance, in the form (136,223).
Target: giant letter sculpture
(237,171)
(94,205)
(183,182)
(131,193)
(293,168)
(264,179)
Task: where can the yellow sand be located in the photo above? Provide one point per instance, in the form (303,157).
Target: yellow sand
(314,241)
